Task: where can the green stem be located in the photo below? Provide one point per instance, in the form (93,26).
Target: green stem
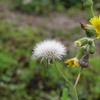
(75,93)
(78,77)
(96,38)
(63,75)
(77,80)
(92,11)
(73,86)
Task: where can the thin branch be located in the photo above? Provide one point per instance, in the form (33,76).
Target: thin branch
(75,93)
(63,75)
(78,77)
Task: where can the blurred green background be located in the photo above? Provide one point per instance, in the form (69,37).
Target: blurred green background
(23,23)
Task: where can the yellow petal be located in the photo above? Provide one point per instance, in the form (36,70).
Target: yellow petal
(72,62)
(78,43)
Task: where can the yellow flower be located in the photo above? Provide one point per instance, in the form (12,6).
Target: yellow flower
(81,42)
(78,43)
(72,62)
(95,21)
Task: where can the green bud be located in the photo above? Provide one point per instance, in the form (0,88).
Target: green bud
(81,52)
(87,3)
(90,41)
(92,48)
(81,42)
(90,31)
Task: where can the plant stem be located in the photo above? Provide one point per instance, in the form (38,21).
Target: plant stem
(92,10)
(78,77)
(75,93)
(96,38)
(77,80)
(63,75)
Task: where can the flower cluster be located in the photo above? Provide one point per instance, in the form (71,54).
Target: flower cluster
(51,50)
(86,44)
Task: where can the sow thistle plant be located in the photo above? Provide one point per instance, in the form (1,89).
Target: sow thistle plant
(50,50)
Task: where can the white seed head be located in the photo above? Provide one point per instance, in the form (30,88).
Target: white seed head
(49,50)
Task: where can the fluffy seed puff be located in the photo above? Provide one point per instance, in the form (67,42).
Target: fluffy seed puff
(49,50)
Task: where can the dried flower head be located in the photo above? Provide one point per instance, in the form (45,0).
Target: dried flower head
(83,62)
(49,50)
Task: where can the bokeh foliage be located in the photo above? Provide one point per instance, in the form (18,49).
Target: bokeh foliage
(44,7)
(22,78)
(25,79)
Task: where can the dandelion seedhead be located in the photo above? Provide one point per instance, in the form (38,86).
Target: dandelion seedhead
(49,50)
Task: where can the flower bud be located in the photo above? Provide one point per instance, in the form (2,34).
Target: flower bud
(83,25)
(87,3)
(90,41)
(78,43)
(81,42)
(92,48)
(90,31)
(81,52)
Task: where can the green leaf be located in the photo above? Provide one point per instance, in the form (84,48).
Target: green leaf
(65,94)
